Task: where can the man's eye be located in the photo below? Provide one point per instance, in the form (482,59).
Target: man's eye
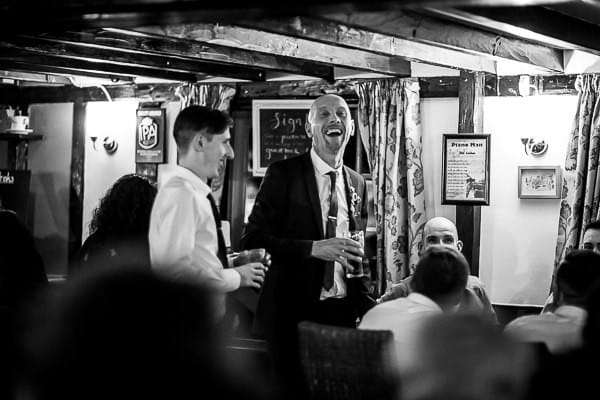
(342,113)
(587,246)
(448,241)
(430,240)
(324,114)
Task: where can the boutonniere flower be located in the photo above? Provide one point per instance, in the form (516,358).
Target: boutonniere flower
(354,200)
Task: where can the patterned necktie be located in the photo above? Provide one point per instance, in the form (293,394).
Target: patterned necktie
(330,229)
(221,253)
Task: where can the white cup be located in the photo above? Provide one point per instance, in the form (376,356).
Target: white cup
(19,123)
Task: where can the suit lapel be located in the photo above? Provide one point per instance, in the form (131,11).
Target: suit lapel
(313,193)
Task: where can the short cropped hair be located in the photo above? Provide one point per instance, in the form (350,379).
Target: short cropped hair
(595,225)
(441,271)
(576,276)
(194,119)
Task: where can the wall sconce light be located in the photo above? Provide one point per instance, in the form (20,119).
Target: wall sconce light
(535,146)
(110,144)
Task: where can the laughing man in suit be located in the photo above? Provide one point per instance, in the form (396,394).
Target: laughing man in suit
(294,219)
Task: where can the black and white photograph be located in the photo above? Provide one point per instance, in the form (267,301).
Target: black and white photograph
(299,200)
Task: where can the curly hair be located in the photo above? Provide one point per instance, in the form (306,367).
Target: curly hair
(125,208)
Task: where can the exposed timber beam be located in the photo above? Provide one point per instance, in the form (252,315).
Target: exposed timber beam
(426,29)
(39,62)
(33,77)
(77,14)
(334,33)
(143,43)
(124,57)
(535,23)
(62,72)
(282,45)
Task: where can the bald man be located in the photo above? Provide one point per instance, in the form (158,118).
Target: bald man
(302,215)
(442,231)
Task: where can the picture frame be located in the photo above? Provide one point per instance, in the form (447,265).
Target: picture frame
(539,181)
(278,131)
(466,169)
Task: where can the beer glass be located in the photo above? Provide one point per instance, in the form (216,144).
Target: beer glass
(359,269)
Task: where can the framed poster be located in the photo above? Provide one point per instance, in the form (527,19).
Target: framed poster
(150,136)
(466,169)
(278,131)
(539,182)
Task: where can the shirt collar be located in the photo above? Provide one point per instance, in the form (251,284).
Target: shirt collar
(321,166)
(186,174)
(423,300)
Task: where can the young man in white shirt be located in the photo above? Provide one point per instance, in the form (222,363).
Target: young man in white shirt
(186,241)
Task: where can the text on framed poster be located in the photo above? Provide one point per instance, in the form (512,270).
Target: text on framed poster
(466,169)
(278,131)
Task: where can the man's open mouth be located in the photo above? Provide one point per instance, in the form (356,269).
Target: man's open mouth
(333,132)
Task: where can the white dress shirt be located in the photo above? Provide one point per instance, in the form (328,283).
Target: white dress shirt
(183,234)
(561,330)
(404,317)
(338,290)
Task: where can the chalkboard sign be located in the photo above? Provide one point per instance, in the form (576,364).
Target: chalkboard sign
(278,131)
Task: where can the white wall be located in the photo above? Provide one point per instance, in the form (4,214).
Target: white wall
(438,116)
(518,236)
(50,164)
(101,170)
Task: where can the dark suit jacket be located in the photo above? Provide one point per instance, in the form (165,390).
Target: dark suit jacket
(285,220)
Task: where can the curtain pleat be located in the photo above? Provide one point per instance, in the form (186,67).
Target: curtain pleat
(389,124)
(581,182)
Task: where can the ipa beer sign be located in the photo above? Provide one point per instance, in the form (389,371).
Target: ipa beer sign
(150,136)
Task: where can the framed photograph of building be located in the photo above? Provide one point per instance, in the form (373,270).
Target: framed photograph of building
(539,182)
(466,169)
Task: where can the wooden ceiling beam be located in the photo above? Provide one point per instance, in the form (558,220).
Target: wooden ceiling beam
(42,15)
(282,45)
(426,29)
(90,68)
(334,33)
(540,24)
(33,77)
(63,72)
(73,50)
(143,43)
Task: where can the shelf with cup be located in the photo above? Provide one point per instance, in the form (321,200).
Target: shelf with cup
(12,135)
(18,146)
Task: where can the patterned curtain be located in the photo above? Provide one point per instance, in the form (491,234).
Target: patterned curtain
(212,96)
(390,126)
(581,181)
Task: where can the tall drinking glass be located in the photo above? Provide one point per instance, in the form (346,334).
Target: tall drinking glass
(358,267)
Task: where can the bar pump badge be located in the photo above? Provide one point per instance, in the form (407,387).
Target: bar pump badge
(150,136)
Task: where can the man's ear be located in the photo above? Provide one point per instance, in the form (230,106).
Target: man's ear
(308,130)
(351,127)
(198,142)
(459,245)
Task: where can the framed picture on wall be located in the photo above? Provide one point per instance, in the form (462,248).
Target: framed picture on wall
(466,169)
(539,182)
(278,131)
